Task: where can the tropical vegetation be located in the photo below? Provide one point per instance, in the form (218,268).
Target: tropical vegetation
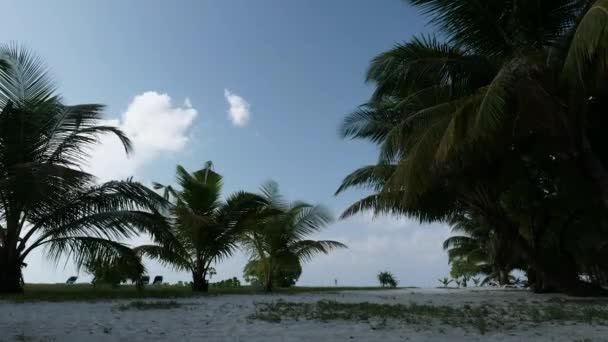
(46,199)
(387,279)
(278,243)
(494,125)
(119,271)
(204,228)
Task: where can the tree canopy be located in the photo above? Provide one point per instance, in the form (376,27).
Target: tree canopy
(495,124)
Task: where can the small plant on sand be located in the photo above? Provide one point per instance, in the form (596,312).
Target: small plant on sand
(160,305)
(387,279)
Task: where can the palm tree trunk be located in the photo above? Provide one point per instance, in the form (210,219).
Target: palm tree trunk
(268,285)
(10,275)
(199,284)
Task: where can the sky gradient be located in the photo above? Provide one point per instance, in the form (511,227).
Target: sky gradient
(258,87)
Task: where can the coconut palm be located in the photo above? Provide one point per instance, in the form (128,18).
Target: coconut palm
(278,244)
(46,199)
(453,116)
(205,228)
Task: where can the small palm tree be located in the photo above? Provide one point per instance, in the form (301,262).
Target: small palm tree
(445,281)
(387,279)
(205,229)
(277,245)
(476,281)
(47,199)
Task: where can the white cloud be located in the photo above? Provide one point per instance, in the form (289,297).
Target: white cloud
(155,126)
(239,109)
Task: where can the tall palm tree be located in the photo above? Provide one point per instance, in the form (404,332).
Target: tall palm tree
(46,199)
(278,243)
(205,229)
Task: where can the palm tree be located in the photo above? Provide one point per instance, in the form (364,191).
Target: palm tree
(277,244)
(445,281)
(46,199)
(205,229)
(453,116)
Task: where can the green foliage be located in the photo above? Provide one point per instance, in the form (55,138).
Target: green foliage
(140,305)
(117,272)
(204,229)
(285,276)
(497,128)
(445,281)
(483,318)
(386,279)
(230,282)
(88,292)
(48,200)
(277,243)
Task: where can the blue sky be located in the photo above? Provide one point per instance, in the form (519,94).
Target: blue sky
(294,67)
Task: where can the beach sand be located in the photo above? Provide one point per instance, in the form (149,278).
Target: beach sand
(226,318)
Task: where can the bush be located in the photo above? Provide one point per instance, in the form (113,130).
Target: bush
(230,282)
(285,275)
(387,279)
(116,272)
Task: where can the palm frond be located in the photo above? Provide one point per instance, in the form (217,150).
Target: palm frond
(587,57)
(166,256)
(373,177)
(305,250)
(25,81)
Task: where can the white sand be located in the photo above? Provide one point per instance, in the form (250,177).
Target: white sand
(224,318)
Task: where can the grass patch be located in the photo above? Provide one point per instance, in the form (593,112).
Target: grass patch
(86,292)
(139,305)
(481,318)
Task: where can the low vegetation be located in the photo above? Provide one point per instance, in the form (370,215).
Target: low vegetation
(141,305)
(481,318)
(86,292)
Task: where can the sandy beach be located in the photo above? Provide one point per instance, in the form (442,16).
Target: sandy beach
(229,318)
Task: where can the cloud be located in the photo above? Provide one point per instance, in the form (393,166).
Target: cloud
(239,109)
(155,126)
